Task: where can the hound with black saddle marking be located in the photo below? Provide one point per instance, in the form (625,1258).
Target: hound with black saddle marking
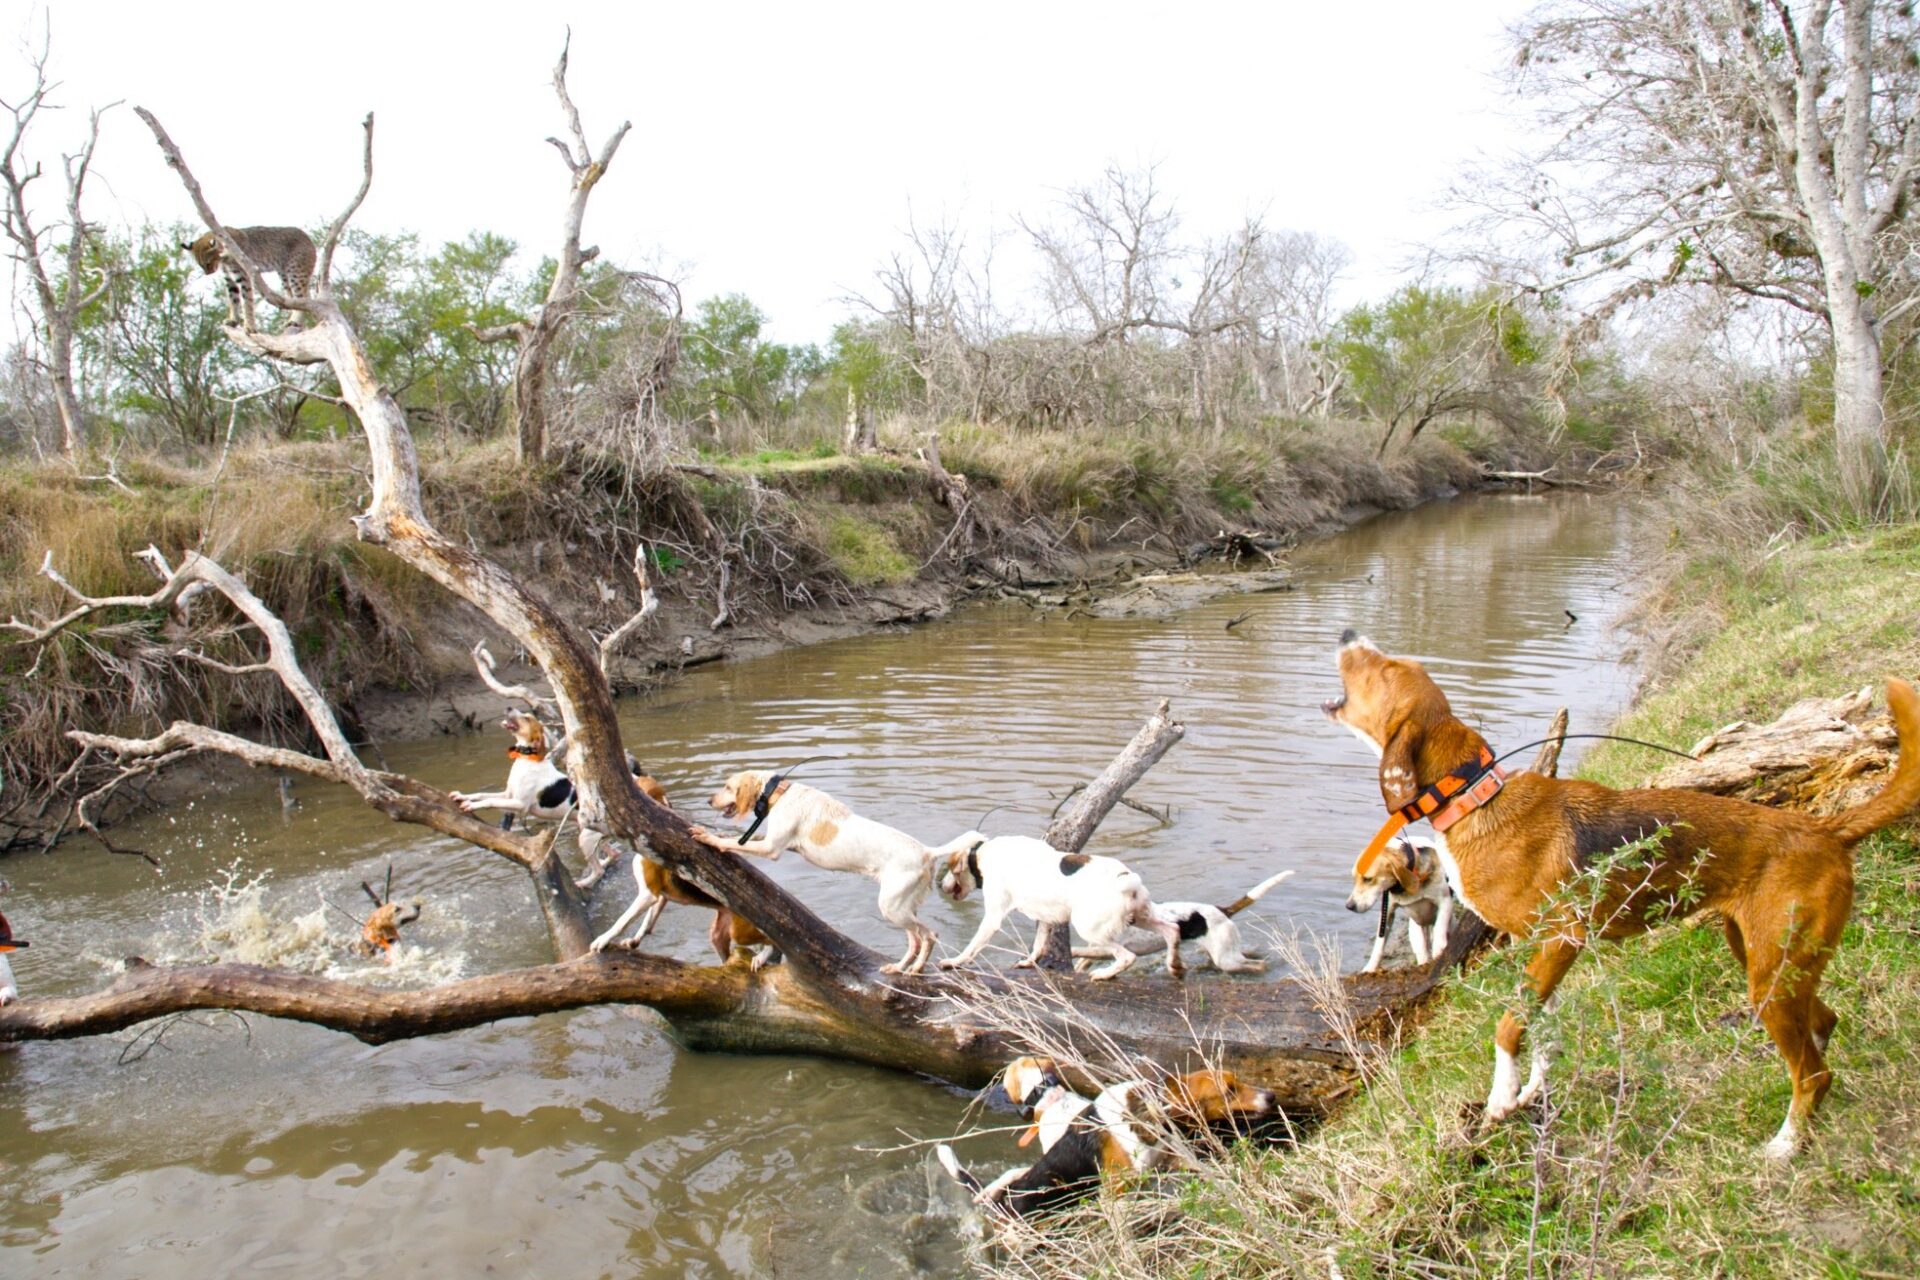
(1127,1127)
(1098,896)
(536,788)
(1213,926)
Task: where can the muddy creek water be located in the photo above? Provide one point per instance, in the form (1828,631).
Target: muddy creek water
(588,1144)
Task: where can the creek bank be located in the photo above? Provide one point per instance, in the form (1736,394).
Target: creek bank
(746,559)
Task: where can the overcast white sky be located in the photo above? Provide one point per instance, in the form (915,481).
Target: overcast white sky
(775,148)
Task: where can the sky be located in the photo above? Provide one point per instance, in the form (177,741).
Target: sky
(779,150)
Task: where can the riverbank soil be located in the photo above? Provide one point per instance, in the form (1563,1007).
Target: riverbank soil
(747,554)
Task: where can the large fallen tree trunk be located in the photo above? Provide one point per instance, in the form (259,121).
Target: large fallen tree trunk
(1305,1039)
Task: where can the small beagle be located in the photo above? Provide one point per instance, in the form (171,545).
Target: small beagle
(1098,896)
(1213,926)
(9,989)
(1124,1128)
(834,838)
(1405,876)
(1034,1086)
(536,788)
(656,885)
(1782,881)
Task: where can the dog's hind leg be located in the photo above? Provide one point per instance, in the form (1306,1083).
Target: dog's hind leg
(1222,945)
(1782,983)
(590,842)
(643,900)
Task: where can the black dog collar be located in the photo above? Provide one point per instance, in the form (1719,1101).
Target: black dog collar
(763,803)
(973,863)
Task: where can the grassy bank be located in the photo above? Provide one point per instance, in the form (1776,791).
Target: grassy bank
(796,529)
(1645,1161)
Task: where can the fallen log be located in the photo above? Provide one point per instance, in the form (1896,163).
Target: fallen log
(1820,753)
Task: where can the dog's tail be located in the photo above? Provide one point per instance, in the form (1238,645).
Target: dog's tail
(1253,895)
(1903,790)
(951,1163)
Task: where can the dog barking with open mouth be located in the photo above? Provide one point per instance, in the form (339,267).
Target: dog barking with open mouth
(1511,849)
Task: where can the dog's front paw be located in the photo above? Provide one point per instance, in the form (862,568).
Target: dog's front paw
(890,968)
(600,943)
(1784,1144)
(1023,964)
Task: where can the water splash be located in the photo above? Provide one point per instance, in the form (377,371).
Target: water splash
(235,920)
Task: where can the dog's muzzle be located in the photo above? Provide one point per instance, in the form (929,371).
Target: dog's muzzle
(1332,706)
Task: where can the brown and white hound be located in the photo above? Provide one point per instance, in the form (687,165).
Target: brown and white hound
(1512,848)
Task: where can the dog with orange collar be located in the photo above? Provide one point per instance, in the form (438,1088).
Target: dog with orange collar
(536,788)
(1782,881)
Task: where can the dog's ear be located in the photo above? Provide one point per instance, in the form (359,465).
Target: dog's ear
(1406,868)
(1399,758)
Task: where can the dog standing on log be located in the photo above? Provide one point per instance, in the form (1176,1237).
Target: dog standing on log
(656,885)
(1219,937)
(536,788)
(835,838)
(1098,896)
(1782,881)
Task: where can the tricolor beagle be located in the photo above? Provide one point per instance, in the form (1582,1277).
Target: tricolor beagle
(1782,881)
(536,788)
(1213,926)
(1125,1128)
(1404,876)
(1099,896)
(656,885)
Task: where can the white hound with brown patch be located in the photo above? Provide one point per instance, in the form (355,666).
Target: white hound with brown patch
(835,838)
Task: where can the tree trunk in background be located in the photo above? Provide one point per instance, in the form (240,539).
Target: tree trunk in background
(1859,412)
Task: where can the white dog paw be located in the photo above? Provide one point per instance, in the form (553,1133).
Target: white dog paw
(1784,1144)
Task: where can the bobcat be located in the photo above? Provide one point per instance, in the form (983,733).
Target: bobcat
(286,251)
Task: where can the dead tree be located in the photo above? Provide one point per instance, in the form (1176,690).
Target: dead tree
(61,292)
(536,337)
(829,997)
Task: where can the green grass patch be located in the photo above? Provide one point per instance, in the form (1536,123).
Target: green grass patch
(865,553)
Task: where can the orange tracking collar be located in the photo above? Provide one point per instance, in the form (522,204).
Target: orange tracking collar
(1465,789)
(518,752)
